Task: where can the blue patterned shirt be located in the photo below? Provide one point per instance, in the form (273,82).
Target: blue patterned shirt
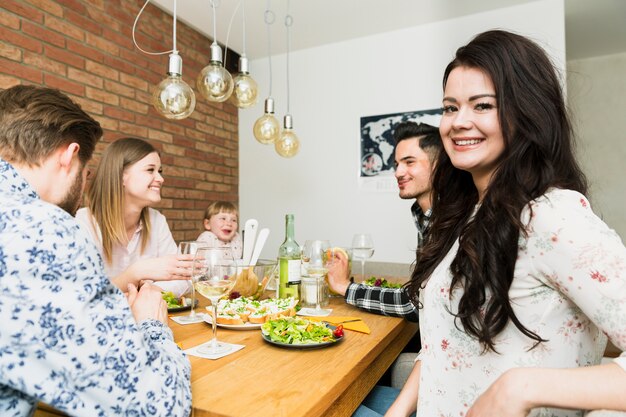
(67,335)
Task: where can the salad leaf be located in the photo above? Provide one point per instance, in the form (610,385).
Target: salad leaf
(297,331)
(380,282)
(171,300)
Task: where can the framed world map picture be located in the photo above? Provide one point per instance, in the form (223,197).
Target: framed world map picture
(377,146)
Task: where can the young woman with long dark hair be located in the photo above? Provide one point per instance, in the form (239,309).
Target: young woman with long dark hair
(519,282)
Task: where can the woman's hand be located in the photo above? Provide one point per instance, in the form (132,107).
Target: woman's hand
(164,268)
(505,397)
(338,274)
(147,303)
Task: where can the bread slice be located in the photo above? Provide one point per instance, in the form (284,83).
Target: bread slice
(258,317)
(230,319)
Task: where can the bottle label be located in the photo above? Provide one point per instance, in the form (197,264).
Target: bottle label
(289,281)
(293,268)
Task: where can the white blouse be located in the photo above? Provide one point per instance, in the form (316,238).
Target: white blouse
(569,287)
(160,243)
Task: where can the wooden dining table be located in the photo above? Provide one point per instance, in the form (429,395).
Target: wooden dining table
(265,380)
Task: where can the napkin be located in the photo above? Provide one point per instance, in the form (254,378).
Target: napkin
(357,326)
(313,312)
(185,319)
(194,350)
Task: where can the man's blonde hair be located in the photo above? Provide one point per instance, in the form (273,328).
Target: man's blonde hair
(36,121)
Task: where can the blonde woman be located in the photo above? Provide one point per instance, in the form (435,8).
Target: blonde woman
(134,239)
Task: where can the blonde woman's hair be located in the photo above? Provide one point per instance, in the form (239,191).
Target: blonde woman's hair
(218,207)
(105,197)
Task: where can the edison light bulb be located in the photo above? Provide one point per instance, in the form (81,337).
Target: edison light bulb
(173,98)
(245,91)
(214,81)
(266,128)
(287,144)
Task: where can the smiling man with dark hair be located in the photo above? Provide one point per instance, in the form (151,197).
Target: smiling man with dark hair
(417,149)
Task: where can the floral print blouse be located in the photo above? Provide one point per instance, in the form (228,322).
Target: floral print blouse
(67,335)
(569,287)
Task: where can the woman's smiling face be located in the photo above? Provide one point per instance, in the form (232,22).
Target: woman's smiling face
(142,181)
(470,128)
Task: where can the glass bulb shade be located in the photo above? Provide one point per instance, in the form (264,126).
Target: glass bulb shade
(245,91)
(214,82)
(287,144)
(173,98)
(266,129)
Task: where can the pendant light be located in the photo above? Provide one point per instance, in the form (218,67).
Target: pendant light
(245,88)
(214,82)
(266,128)
(173,98)
(287,144)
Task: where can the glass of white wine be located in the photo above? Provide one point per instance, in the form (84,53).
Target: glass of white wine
(362,249)
(190,248)
(213,277)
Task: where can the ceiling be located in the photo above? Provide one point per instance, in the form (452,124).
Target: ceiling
(593,28)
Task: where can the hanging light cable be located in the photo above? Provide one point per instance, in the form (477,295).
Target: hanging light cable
(287,144)
(266,128)
(214,82)
(246,90)
(172,97)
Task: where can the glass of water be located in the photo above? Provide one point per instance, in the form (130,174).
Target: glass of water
(362,249)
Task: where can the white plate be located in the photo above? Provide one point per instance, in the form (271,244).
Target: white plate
(247,326)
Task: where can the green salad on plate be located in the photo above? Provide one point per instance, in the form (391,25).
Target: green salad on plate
(297,331)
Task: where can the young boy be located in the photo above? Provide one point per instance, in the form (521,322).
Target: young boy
(221,223)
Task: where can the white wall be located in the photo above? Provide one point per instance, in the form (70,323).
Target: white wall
(331,88)
(597,99)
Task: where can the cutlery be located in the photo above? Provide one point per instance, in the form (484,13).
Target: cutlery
(341,322)
(260,242)
(249,237)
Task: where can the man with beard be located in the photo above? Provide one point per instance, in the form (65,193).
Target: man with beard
(68,337)
(417,148)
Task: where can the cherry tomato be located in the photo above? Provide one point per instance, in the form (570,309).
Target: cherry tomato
(338,332)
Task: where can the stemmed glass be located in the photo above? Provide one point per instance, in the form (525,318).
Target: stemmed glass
(315,263)
(190,248)
(362,249)
(214,275)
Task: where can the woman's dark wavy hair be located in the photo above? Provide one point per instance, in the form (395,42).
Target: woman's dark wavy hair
(538,155)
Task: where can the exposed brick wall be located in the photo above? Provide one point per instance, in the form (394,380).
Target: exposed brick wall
(85,49)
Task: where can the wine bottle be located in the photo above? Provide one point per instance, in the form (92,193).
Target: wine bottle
(289,262)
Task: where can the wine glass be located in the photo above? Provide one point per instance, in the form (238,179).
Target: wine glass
(213,277)
(190,248)
(315,262)
(362,249)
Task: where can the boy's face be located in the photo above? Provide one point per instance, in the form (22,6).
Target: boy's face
(223,225)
